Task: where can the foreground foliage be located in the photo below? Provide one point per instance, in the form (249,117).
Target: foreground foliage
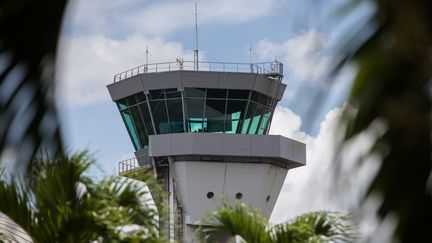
(393,88)
(247,223)
(56,202)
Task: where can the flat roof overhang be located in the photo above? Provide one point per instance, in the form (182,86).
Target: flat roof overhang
(196,79)
(240,148)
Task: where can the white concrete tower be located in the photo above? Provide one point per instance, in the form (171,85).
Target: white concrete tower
(205,134)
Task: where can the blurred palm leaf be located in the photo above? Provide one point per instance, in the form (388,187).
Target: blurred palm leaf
(393,86)
(247,223)
(29,32)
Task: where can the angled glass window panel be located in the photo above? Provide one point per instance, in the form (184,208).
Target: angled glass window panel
(147,119)
(194,92)
(215,125)
(194,111)
(238,94)
(174,94)
(121,104)
(156,94)
(249,115)
(175,114)
(236,109)
(254,124)
(264,99)
(139,126)
(127,119)
(141,97)
(215,109)
(195,124)
(194,107)
(217,93)
(245,126)
(160,116)
(264,123)
(255,96)
(232,126)
(256,119)
(130,100)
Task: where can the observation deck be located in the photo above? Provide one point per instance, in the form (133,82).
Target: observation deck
(266,68)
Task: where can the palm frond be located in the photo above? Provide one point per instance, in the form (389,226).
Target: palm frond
(393,86)
(234,220)
(29,33)
(320,226)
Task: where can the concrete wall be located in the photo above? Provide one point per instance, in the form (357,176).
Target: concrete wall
(256,183)
(270,148)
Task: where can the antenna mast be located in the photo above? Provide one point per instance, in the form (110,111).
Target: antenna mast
(146,66)
(196,67)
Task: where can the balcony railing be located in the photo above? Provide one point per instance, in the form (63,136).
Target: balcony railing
(129,165)
(260,68)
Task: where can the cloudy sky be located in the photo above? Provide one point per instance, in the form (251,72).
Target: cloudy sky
(101,38)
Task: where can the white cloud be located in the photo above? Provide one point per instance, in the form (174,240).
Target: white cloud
(88,64)
(305,57)
(313,187)
(160,18)
(286,123)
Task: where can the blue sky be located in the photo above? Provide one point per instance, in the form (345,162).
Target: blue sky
(101,38)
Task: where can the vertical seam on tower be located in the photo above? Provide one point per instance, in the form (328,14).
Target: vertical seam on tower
(223,188)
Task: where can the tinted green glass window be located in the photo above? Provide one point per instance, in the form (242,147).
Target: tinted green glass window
(130,100)
(215,114)
(260,98)
(172,93)
(217,93)
(215,109)
(139,126)
(236,109)
(147,119)
(264,123)
(249,115)
(194,92)
(215,125)
(160,116)
(121,104)
(141,97)
(175,114)
(157,94)
(127,119)
(232,126)
(256,118)
(238,94)
(194,114)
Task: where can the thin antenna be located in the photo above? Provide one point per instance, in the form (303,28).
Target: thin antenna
(147,54)
(250,59)
(250,54)
(196,67)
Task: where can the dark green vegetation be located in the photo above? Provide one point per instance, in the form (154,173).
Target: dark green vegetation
(29,32)
(251,227)
(393,86)
(56,202)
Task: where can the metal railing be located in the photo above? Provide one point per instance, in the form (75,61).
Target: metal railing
(260,68)
(128,165)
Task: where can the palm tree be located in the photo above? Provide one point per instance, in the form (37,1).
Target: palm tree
(243,221)
(56,202)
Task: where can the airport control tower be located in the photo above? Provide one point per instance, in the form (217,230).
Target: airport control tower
(203,129)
